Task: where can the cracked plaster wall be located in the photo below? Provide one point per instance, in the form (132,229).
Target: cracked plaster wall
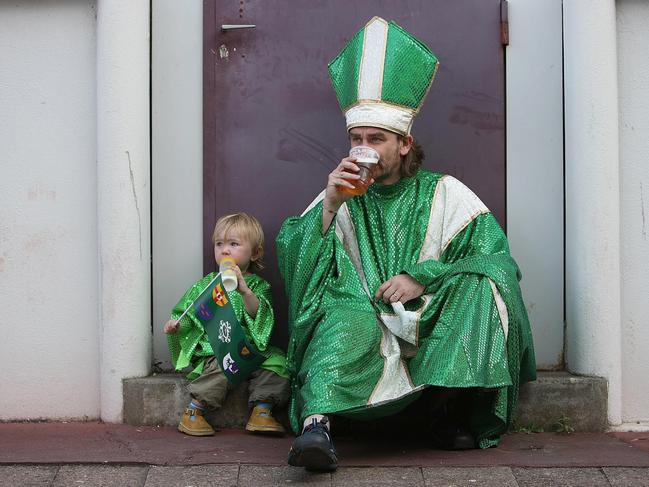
(124,199)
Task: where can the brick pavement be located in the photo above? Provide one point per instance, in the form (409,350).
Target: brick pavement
(96,454)
(271,475)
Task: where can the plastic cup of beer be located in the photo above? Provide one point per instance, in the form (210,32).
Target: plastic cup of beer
(366,160)
(228,276)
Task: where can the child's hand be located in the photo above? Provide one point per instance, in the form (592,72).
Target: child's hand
(171,327)
(250,301)
(242,287)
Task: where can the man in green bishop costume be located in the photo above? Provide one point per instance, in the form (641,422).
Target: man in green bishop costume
(404,289)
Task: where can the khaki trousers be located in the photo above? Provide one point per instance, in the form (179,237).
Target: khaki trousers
(211,387)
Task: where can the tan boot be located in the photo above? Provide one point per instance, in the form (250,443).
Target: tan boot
(193,423)
(262,421)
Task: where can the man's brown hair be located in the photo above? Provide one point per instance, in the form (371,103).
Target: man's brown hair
(412,161)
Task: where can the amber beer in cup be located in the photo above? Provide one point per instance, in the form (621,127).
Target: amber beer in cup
(366,159)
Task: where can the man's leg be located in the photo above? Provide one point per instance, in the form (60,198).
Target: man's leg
(314,448)
(451,410)
(464,341)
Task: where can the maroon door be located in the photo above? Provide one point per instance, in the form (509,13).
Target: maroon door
(272,126)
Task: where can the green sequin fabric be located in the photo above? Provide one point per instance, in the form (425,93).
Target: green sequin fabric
(343,359)
(344,71)
(190,345)
(408,71)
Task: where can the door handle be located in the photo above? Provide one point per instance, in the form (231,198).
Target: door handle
(227,27)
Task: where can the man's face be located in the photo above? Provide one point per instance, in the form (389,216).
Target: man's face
(390,148)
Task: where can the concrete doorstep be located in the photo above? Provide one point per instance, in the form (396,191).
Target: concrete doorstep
(556,401)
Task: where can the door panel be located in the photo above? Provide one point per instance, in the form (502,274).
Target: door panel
(272,126)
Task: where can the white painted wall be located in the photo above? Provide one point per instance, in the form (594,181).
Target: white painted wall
(75,283)
(123,197)
(633,79)
(177,158)
(535,168)
(593,301)
(49,351)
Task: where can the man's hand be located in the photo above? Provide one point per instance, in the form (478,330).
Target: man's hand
(401,288)
(345,172)
(171,327)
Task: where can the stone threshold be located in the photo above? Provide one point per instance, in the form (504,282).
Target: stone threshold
(556,401)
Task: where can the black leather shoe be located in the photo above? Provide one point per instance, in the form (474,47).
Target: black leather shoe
(313,449)
(449,436)
(453,408)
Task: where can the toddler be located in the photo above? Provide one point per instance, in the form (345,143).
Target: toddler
(238,236)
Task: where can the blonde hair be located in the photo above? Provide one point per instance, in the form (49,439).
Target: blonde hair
(248,227)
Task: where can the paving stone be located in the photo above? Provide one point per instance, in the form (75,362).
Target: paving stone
(378,476)
(194,476)
(469,476)
(101,475)
(26,475)
(267,476)
(627,477)
(564,477)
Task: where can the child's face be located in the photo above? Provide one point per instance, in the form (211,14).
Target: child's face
(235,246)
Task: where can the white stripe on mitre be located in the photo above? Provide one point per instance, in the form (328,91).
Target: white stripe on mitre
(370,77)
(454,207)
(369,110)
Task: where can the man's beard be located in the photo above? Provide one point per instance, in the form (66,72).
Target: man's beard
(381,178)
(385,175)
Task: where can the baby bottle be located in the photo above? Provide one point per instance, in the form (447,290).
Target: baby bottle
(366,160)
(228,276)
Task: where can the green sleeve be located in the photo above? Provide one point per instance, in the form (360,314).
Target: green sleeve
(482,237)
(260,328)
(481,249)
(190,345)
(306,260)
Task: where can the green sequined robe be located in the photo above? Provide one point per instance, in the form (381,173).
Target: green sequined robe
(190,345)
(347,355)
